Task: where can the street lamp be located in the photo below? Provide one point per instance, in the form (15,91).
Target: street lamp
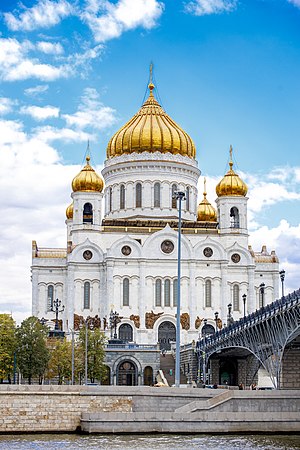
(262,293)
(216,320)
(178,196)
(113,321)
(244,296)
(57,332)
(282,277)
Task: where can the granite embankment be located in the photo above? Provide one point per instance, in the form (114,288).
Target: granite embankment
(117,409)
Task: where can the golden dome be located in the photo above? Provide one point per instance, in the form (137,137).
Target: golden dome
(69,211)
(231,183)
(205,211)
(87,180)
(151,130)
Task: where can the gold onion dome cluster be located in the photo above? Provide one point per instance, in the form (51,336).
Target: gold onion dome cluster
(69,211)
(205,211)
(151,130)
(87,180)
(231,183)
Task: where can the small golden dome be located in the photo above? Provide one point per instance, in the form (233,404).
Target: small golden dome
(205,211)
(231,184)
(69,211)
(87,180)
(151,130)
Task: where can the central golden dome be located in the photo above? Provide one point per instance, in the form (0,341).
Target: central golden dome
(151,130)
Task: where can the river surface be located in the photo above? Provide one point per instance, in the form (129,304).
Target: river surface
(148,442)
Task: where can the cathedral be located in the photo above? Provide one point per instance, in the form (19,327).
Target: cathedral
(122,234)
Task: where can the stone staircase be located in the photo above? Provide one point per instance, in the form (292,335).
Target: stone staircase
(167,365)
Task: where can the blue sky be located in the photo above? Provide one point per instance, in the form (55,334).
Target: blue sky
(227,71)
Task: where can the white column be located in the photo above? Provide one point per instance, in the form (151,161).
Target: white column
(70,298)
(224,294)
(192,295)
(251,304)
(142,295)
(35,293)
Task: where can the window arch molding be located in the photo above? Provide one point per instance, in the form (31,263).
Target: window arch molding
(125,296)
(157,195)
(122,196)
(236,297)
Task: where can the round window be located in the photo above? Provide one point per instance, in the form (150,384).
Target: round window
(235,258)
(167,246)
(126,250)
(87,254)
(208,252)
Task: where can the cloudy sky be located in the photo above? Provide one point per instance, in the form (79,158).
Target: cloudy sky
(227,71)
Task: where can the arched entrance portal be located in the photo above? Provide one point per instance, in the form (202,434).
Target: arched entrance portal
(166,334)
(148,376)
(228,372)
(127,374)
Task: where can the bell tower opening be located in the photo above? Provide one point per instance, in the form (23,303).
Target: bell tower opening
(87,213)
(234,218)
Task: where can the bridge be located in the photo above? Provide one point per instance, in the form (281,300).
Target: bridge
(266,334)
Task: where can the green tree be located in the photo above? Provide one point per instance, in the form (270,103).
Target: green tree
(60,363)
(7,346)
(32,352)
(96,354)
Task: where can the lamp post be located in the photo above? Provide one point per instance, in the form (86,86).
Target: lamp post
(55,308)
(282,277)
(244,297)
(262,293)
(216,320)
(178,196)
(73,358)
(113,321)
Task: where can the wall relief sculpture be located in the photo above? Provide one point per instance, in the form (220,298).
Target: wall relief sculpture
(151,318)
(136,320)
(185,321)
(198,322)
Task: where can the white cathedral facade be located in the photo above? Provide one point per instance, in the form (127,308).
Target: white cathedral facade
(122,233)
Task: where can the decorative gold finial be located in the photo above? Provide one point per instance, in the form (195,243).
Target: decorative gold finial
(88,159)
(230,162)
(151,85)
(204,193)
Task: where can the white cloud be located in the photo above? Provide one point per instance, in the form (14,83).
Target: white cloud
(36,90)
(115,18)
(203,7)
(50,48)
(50,134)
(45,14)
(6,105)
(91,112)
(15,65)
(40,113)
(295,2)
(284,239)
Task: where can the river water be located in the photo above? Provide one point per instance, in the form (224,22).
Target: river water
(148,442)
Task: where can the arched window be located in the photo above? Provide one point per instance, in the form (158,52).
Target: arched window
(122,196)
(174,201)
(167,297)
(87,213)
(138,195)
(157,292)
(110,199)
(236,297)
(207,293)
(126,333)
(87,295)
(157,195)
(126,292)
(175,292)
(187,199)
(234,218)
(207,330)
(50,297)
